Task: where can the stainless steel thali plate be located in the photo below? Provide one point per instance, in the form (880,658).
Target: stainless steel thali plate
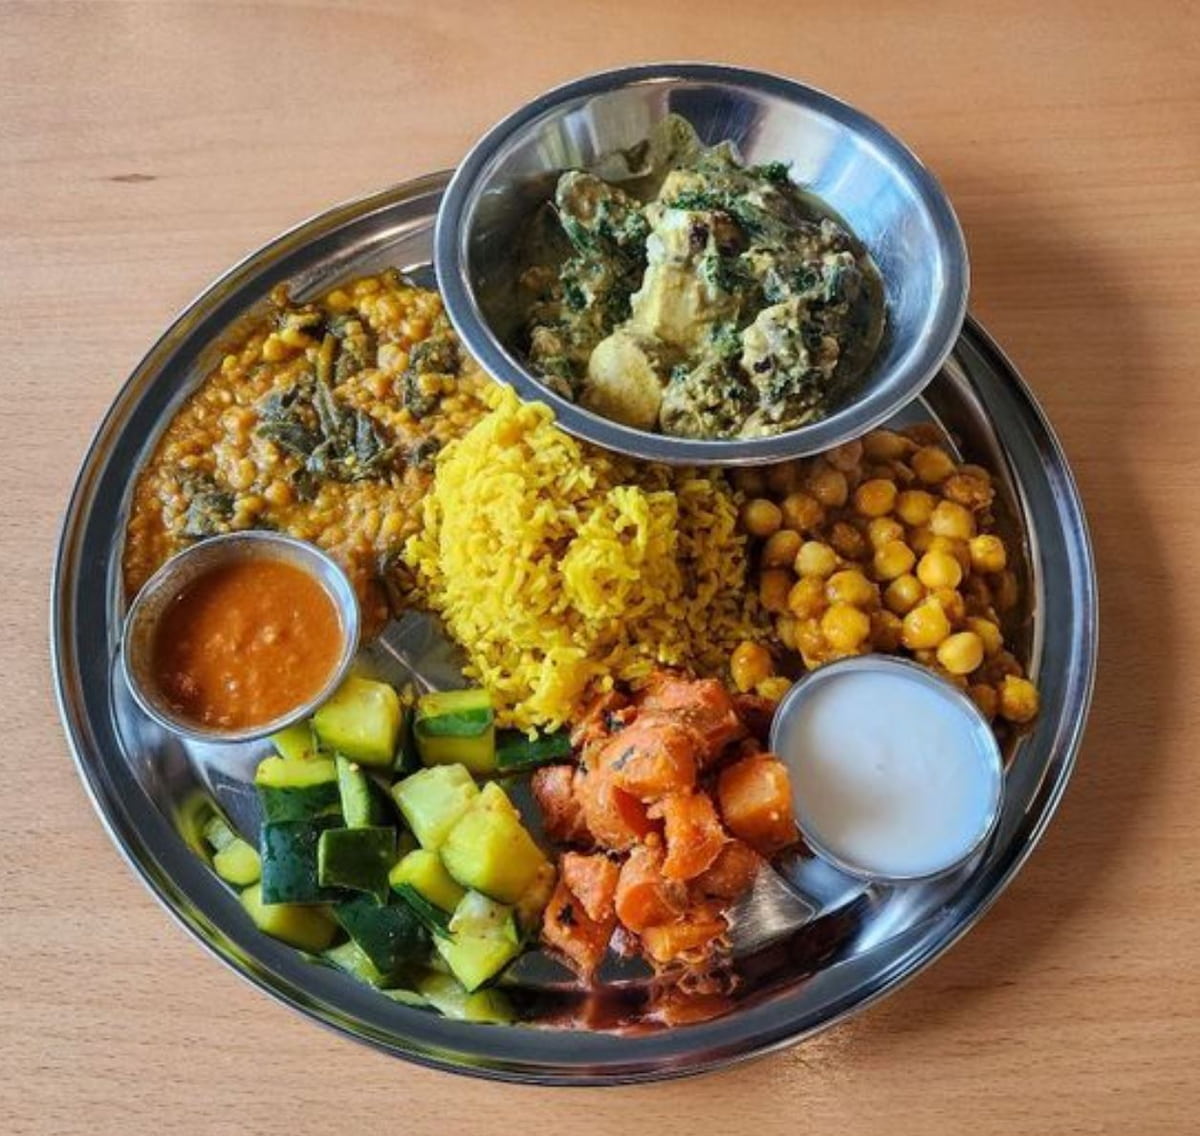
(143,782)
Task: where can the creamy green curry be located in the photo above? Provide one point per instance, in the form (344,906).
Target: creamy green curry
(676,289)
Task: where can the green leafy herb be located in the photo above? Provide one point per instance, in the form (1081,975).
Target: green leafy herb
(209,508)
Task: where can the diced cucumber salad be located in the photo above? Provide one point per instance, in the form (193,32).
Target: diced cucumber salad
(387,852)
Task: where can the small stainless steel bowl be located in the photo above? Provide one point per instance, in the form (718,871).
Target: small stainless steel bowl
(137,640)
(878,187)
(987,747)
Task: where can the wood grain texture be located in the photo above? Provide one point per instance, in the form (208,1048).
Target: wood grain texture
(146,146)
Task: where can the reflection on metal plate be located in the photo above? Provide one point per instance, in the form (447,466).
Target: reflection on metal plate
(861,946)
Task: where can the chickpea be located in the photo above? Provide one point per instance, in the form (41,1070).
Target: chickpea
(785,629)
(886,445)
(773,587)
(1018,699)
(806,599)
(951,520)
(989,635)
(903,594)
(815,558)
(749,664)
(774,687)
(782,478)
(961,653)
(915,506)
(875,498)
(781,548)
(850,586)
(932,464)
(953,605)
(845,457)
(925,626)
(988,553)
(848,541)
(828,485)
(985,697)
(886,630)
(761,517)
(883,530)
(970,486)
(1005,591)
(802,512)
(956,548)
(750,480)
(810,641)
(938,569)
(845,627)
(893,559)
(920,539)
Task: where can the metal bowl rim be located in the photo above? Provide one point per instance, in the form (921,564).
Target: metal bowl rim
(851,420)
(131,844)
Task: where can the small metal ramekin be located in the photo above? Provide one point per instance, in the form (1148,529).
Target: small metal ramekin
(988,748)
(141,623)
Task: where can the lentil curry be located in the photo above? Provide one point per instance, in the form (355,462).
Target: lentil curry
(322,421)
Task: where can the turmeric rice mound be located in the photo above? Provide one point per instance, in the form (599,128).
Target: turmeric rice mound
(562,569)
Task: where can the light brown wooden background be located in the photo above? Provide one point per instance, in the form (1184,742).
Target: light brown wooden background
(146,146)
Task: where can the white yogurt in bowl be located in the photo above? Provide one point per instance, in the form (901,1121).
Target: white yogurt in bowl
(896,775)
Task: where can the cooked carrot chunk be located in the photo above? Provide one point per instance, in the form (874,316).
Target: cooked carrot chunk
(644,895)
(593,881)
(615,818)
(568,929)
(554,790)
(704,705)
(599,718)
(731,874)
(692,934)
(692,831)
(650,758)
(755,796)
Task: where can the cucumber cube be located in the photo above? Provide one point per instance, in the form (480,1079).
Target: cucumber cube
(423,869)
(489,850)
(457,726)
(308,928)
(361,720)
(432,800)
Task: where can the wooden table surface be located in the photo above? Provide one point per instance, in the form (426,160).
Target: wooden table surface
(146,146)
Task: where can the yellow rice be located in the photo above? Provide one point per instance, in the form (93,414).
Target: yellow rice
(562,569)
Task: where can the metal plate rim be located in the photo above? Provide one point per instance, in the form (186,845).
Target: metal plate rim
(133,849)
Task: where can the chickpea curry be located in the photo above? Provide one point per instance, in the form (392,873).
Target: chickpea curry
(885,544)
